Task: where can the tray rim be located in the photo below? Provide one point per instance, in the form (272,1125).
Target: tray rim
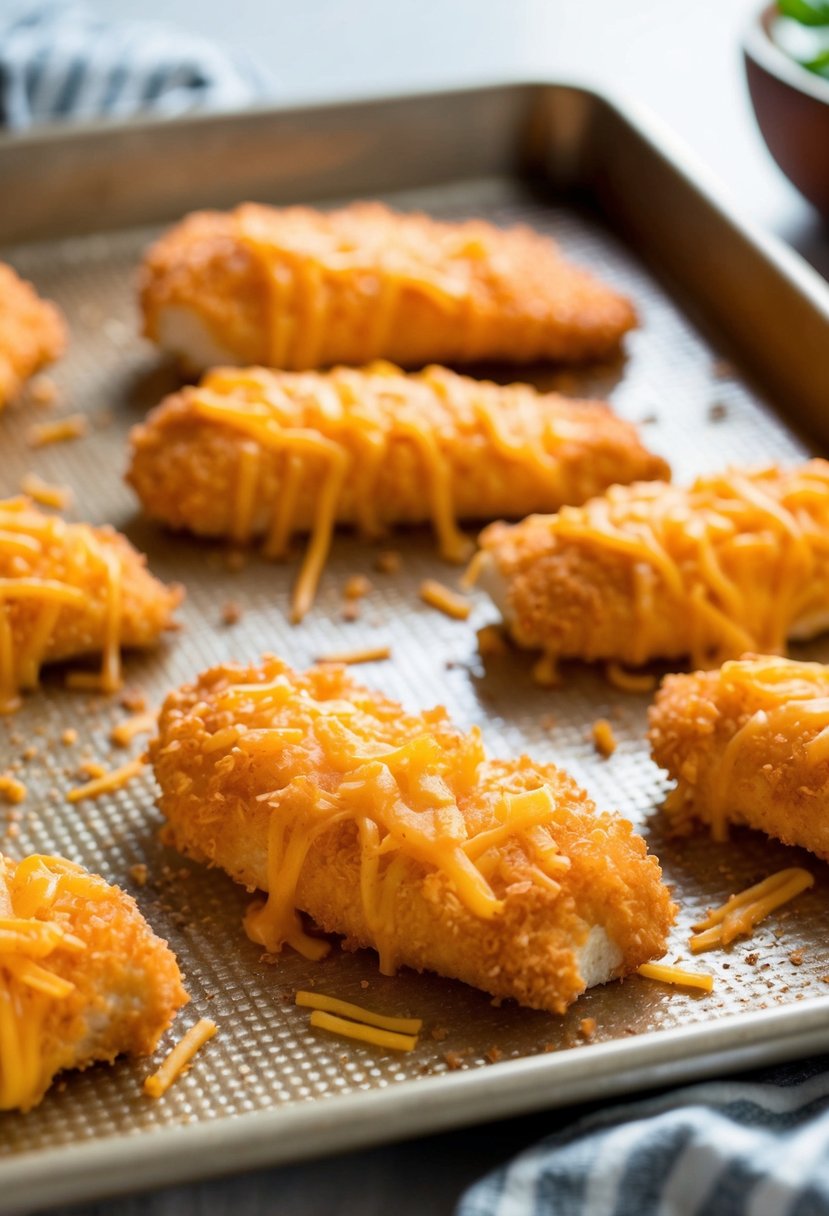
(113,1165)
(110,1166)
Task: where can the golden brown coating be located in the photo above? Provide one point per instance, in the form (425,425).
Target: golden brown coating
(397,831)
(735,562)
(297,288)
(82,976)
(32,333)
(256,452)
(749,744)
(69,590)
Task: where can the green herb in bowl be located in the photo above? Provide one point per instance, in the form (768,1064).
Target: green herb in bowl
(801,30)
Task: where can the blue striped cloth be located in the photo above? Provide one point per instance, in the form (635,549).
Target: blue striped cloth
(59,61)
(757,1147)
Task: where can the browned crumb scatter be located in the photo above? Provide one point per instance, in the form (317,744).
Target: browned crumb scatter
(30,753)
(356,587)
(139,874)
(796,958)
(604,739)
(717,411)
(453,1060)
(752,959)
(133,699)
(91,769)
(351,610)
(494,1054)
(439,1033)
(12,790)
(69,736)
(388,561)
(231,613)
(587,1028)
(364,983)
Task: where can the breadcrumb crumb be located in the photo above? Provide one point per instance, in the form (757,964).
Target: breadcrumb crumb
(604,739)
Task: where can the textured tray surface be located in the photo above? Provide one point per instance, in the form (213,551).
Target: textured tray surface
(265,1056)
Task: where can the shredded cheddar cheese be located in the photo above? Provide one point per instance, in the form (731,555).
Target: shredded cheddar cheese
(139,724)
(62,430)
(667,974)
(30,943)
(33,547)
(313,450)
(116,779)
(737,558)
(629,681)
(179,1058)
(436,595)
(332,1004)
(792,700)
(365,654)
(739,914)
(403,783)
(46,494)
(365,1034)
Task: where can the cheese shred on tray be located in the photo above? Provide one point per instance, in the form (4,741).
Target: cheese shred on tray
(736,562)
(262,455)
(68,591)
(296,288)
(398,832)
(748,744)
(82,976)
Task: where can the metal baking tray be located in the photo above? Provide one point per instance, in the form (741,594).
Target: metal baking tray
(731,364)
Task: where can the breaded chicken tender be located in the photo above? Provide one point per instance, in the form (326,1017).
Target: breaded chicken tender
(82,976)
(749,744)
(69,590)
(257,453)
(735,562)
(399,833)
(298,289)
(32,333)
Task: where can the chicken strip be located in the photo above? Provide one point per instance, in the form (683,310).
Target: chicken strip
(736,562)
(298,289)
(68,590)
(749,744)
(398,832)
(252,453)
(32,333)
(82,976)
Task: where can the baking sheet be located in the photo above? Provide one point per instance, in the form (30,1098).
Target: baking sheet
(699,412)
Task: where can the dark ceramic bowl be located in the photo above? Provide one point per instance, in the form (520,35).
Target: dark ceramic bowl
(792,109)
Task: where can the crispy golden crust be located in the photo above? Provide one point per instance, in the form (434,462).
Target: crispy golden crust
(296,288)
(546,449)
(69,554)
(767,780)
(529,951)
(32,333)
(650,571)
(127,984)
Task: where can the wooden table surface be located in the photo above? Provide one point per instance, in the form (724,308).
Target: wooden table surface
(683,62)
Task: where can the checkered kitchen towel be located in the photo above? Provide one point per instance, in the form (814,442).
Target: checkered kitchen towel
(60,61)
(755,1147)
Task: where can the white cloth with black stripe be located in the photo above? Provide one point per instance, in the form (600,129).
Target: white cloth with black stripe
(60,61)
(752,1147)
